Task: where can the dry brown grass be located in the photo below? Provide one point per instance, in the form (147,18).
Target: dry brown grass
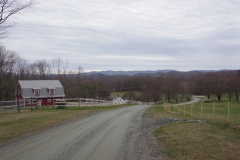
(197,140)
(13,125)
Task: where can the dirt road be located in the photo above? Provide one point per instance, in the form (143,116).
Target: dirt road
(101,136)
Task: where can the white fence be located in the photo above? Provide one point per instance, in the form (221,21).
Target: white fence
(84,102)
(11,106)
(80,102)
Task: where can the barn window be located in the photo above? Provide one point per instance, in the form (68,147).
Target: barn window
(51,91)
(49,100)
(36,92)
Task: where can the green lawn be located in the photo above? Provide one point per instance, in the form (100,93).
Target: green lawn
(215,111)
(215,140)
(115,94)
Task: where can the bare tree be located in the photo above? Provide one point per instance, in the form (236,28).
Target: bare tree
(43,68)
(65,66)
(59,66)
(7,61)
(236,83)
(32,70)
(170,87)
(208,83)
(21,68)
(9,8)
(219,85)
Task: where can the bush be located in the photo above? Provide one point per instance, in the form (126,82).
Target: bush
(206,101)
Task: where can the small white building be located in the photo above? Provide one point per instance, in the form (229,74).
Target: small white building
(118,100)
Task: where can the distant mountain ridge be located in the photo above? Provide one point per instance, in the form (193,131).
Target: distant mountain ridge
(146,72)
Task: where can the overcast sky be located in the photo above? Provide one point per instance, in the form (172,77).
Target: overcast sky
(131,34)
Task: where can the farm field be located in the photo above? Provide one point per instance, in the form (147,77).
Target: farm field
(211,139)
(214,111)
(121,94)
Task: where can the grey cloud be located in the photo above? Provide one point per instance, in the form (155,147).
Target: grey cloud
(125,35)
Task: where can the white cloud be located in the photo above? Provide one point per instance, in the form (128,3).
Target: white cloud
(97,34)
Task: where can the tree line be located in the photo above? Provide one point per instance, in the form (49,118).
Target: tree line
(169,86)
(156,87)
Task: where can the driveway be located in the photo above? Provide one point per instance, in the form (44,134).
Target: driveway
(102,136)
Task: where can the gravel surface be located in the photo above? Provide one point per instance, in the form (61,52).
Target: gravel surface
(142,145)
(121,134)
(101,136)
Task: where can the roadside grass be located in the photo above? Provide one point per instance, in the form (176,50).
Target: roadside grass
(13,125)
(209,140)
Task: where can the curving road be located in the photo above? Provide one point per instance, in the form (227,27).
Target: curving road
(194,99)
(101,136)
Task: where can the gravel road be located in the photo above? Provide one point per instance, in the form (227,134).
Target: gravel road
(109,135)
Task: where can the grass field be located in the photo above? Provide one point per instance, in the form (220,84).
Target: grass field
(225,97)
(215,111)
(14,125)
(209,140)
(120,94)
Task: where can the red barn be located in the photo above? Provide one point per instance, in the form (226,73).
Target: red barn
(42,90)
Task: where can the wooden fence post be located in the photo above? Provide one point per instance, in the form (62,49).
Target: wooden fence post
(37,104)
(31,103)
(228,120)
(79,102)
(191,109)
(201,109)
(178,109)
(184,110)
(19,105)
(53,106)
(53,102)
(213,110)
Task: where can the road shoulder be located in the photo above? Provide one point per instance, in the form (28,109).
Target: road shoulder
(141,144)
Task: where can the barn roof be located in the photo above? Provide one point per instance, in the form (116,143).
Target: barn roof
(38,84)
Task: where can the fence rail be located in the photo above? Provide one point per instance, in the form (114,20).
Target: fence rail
(81,102)
(18,105)
(216,111)
(10,106)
